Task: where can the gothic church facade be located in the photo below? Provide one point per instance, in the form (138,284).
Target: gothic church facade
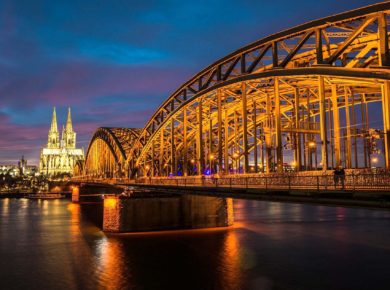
(60,155)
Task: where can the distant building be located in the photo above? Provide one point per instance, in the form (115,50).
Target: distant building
(60,156)
(22,169)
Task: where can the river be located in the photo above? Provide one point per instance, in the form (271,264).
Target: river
(52,245)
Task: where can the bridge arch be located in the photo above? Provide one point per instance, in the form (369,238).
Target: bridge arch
(276,96)
(107,152)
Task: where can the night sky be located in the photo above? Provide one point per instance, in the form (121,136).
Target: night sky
(114,62)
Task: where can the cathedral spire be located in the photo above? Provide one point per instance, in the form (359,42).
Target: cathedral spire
(69,122)
(53,141)
(53,127)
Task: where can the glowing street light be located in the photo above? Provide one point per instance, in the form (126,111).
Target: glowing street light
(312,144)
(236,156)
(211,157)
(147,167)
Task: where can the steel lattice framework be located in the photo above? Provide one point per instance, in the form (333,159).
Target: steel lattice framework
(284,93)
(108,151)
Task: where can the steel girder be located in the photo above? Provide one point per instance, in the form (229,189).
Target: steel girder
(351,46)
(108,150)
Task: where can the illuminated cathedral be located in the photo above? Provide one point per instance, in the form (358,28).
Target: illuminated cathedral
(60,156)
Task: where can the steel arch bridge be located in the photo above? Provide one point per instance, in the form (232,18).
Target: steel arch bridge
(107,152)
(290,95)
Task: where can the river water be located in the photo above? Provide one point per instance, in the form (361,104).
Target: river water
(51,245)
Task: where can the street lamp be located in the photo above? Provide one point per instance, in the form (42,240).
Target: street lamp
(147,167)
(211,157)
(235,156)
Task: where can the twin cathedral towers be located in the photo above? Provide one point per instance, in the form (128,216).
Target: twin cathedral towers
(60,155)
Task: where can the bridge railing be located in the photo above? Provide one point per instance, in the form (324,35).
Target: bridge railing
(351,182)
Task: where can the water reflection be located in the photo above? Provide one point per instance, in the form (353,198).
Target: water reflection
(51,245)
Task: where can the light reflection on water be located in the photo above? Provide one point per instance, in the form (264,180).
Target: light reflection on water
(51,245)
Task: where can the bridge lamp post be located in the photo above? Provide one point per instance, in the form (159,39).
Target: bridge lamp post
(147,167)
(165,167)
(193,165)
(211,157)
(312,145)
(235,157)
(294,165)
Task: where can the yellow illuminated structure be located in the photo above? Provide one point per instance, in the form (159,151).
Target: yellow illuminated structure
(285,95)
(60,156)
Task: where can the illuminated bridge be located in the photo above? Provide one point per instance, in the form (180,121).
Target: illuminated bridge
(312,97)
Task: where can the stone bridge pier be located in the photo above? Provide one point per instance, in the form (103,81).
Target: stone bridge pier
(165,212)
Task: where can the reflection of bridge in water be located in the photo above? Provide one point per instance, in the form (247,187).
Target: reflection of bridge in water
(303,100)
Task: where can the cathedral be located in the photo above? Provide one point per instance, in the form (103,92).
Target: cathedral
(60,156)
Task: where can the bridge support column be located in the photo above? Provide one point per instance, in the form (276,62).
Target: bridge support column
(268,135)
(226,141)
(336,126)
(348,159)
(297,150)
(278,129)
(161,161)
(211,156)
(323,130)
(220,153)
(244,127)
(173,152)
(386,121)
(185,144)
(255,145)
(152,172)
(199,143)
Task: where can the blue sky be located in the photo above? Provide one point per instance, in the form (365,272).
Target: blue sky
(114,62)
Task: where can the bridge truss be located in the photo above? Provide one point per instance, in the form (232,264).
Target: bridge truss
(107,152)
(288,96)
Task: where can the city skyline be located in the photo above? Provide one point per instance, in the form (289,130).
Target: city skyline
(116,73)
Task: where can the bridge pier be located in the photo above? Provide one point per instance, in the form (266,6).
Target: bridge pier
(163,212)
(75,194)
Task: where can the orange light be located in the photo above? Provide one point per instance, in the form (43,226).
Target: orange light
(235,155)
(147,167)
(312,144)
(374,159)
(211,156)
(192,161)
(110,202)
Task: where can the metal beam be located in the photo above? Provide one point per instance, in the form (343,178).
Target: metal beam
(278,127)
(323,130)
